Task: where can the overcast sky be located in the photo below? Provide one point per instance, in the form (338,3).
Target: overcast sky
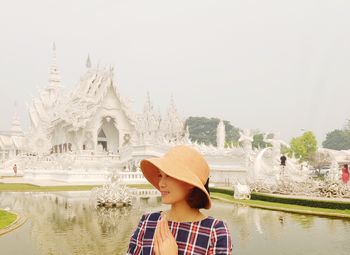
(278,66)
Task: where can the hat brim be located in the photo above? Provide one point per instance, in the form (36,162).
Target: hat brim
(151,166)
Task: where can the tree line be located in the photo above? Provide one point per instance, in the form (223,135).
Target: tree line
(203,130)
(338,139)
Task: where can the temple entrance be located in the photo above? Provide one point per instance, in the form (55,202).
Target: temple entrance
(102,140)
(108,136)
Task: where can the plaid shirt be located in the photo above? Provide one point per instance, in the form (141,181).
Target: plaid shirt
(208,236)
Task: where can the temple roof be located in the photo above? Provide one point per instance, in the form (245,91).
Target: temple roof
(79,107)
(10,142)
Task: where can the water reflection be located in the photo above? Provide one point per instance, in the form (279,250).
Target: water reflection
(67,223)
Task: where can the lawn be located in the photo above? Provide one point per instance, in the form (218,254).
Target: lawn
(6,218)
(20,187)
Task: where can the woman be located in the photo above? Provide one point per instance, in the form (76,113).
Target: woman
(182,177)
(345,174)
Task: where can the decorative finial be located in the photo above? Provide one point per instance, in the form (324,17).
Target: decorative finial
(88,62)
(54,76)
(148,106)
(16,124)
(148,96)
(172,102)
(15,109)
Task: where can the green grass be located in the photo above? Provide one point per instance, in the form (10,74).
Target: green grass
(141,186)
(17,187)
(6,218)
(11,176)
(285,207)
(20,187)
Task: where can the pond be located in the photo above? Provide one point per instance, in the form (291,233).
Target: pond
(66,223)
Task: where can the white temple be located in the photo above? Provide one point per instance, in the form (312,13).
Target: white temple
(87,134)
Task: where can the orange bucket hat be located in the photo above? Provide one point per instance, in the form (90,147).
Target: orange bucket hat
(182,163)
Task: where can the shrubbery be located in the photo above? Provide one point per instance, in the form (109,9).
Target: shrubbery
(303,202)
(222,191)
(291,201)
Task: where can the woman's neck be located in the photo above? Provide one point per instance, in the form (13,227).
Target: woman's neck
(182,212)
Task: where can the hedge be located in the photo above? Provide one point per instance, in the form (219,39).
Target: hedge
(222,191)
(292,201)
(301,201)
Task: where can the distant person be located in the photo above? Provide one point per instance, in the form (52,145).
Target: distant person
(283,163)
(345,174)
(15,169)
(283,160)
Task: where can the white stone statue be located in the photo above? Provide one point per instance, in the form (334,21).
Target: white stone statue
(220,135)
(241,191)
(246,138)
(334,173)
(276,147)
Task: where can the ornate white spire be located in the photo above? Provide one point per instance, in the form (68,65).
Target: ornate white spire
(148,122)
(172,125)
(147,107)
(220,135)
(54,77)
(16,124)
(88,62)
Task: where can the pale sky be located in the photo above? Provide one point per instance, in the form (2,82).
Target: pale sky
(274,65)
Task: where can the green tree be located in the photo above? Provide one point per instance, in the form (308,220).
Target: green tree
(304,147)
(203,130)
(258,141)
(321,159)
(337,140)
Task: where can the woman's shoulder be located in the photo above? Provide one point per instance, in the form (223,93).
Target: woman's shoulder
(151,216)
(217,224)
(213,220)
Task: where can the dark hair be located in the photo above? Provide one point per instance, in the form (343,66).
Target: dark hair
(197,198)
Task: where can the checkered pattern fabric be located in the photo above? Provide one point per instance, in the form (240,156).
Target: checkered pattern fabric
(208,236)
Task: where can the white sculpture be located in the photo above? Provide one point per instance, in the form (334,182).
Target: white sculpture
(241,191)
(220,135)
(246,139)
(276,147)
(113,194)
(334,173)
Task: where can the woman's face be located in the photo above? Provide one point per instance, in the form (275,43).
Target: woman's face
(173,191)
